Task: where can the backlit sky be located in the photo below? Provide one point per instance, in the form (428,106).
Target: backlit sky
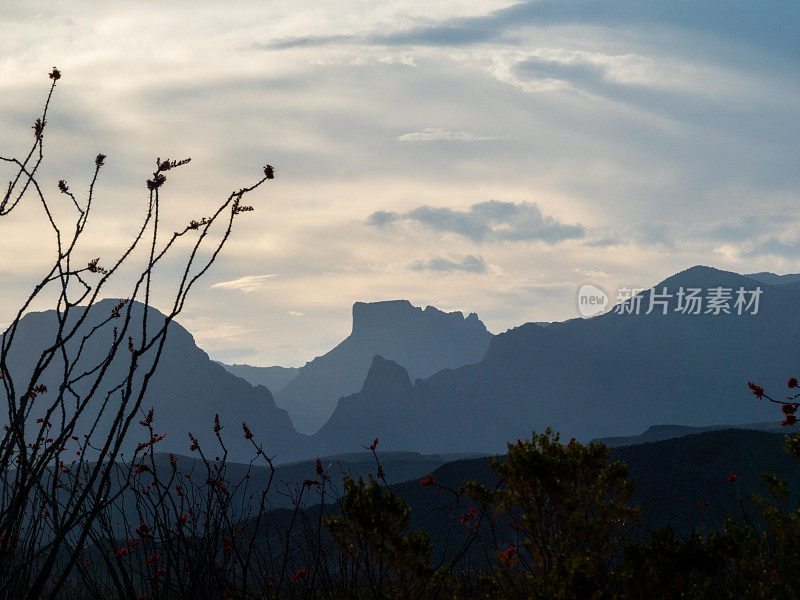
(481,155)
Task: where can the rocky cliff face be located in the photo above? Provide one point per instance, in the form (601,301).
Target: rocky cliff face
(422,341)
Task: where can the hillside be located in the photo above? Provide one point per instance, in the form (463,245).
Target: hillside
(186,390)
(273,378)
(423,341)
(612,375)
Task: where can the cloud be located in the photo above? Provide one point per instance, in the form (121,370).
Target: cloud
(468,263)
(773,246)
(443,135)
(249,283)
(296,313)
(487,222)
(741,22)
(620,113)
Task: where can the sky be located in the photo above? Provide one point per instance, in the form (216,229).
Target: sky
(484,156)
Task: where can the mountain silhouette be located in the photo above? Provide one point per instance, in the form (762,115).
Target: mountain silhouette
(186,390)
(611,375)
(273,378)
(423,341)
(773,279)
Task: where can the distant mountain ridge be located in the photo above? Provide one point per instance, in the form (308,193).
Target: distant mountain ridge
(423,341)
(611,375)
(658,433)
(186,390)
(273,378)
(615,374)
(773,279)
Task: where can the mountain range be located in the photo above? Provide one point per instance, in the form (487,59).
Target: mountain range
(273,378)
(436,382)
(423,341)
(186,391)
(614,374)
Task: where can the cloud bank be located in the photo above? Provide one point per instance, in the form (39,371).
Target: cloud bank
(628,139)
(490,221)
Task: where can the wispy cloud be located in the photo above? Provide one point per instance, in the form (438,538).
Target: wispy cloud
(487,221)
(443,135)
(249,283)
(639,120)
(468,263)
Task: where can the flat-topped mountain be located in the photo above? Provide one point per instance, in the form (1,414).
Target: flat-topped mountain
(422,341)
(614,374)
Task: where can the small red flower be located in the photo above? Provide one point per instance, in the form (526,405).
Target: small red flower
(217,426)
(119,553)
(732,477)
(789,421)
(428,481)
(469,515)
(301,574)
(140,468)
(789,408)
(374,444)
(153,559)
(248,435)
(143,531)
(148,418)
(792,382)
(508,554)
(757,390)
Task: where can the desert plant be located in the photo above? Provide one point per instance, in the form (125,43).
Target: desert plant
(560,516)
(384,559)
(68,416)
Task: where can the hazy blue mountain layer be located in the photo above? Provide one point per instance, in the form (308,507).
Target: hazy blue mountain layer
(186,390)
(615,374)
(423,341)
(273,378)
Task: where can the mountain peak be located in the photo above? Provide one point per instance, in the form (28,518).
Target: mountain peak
(368,316)
(376,317)
(423,341)
(385,374)
(701,276)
